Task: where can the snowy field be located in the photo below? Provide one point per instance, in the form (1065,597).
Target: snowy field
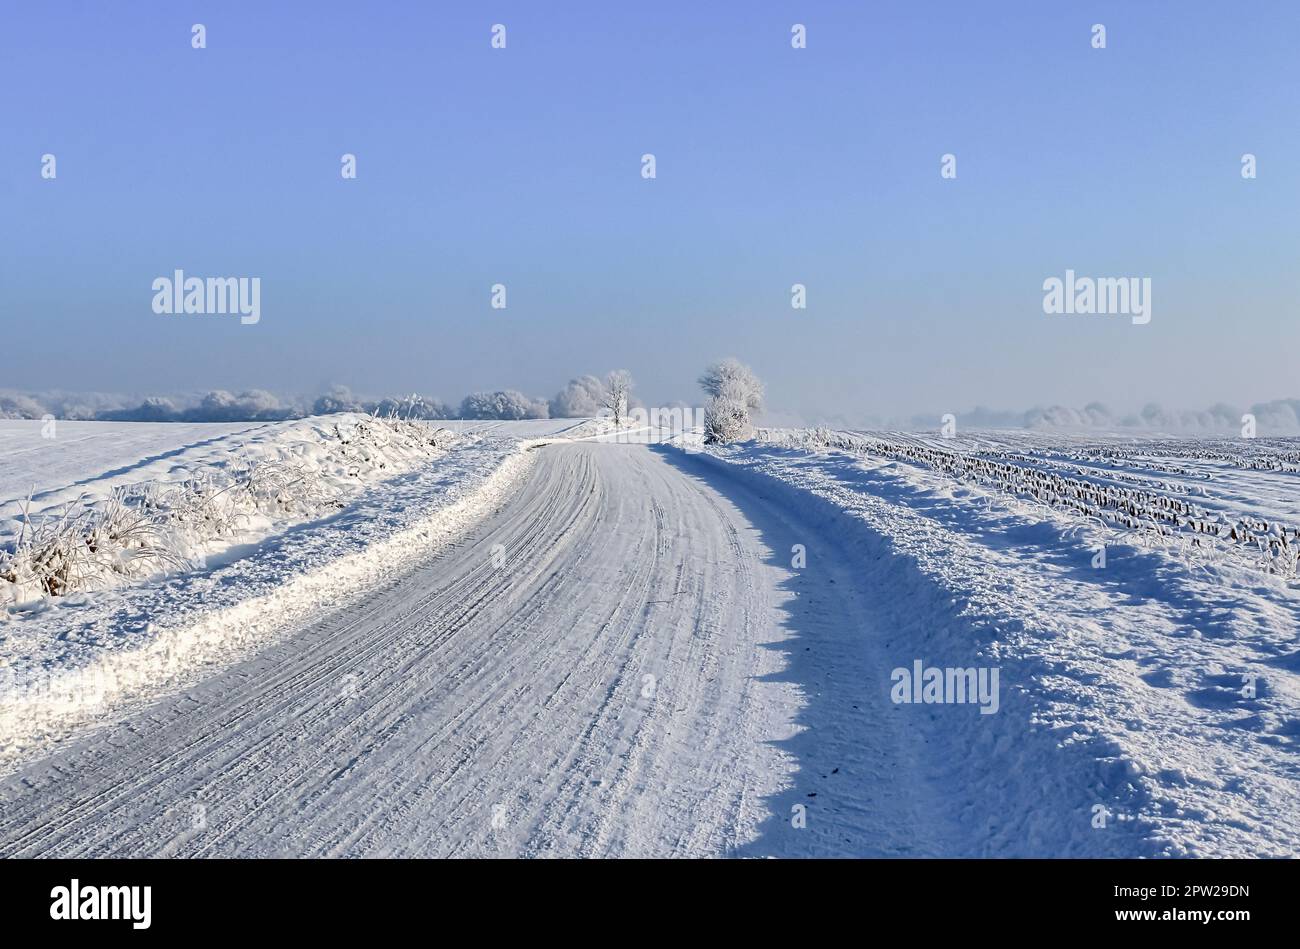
(82,453)
(527,638)
(248,529)
(1154,691)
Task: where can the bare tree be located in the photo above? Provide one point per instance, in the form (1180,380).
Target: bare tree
(618,390)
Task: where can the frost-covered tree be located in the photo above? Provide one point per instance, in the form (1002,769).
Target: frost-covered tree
(414,406)
(337,399)
(17,405)
(725,421)
(735,398)
(581,398)
(153,409)
(156,409)
(254,405)
(506,404)
(731,379)
(617,394)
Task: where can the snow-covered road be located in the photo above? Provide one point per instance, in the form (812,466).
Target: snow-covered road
(647,651)
(584,673)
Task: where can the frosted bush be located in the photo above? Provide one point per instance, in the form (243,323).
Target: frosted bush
(147,529)
(736,396)
(726,421)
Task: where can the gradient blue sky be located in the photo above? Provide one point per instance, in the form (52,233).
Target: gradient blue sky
(775,166)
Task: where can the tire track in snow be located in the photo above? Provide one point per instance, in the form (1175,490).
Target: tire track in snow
(500,711)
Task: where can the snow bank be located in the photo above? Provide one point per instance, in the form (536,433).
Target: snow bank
(1146,709)
(74,659)
(124,532)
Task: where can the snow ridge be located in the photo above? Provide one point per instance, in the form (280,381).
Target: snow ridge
(73,664)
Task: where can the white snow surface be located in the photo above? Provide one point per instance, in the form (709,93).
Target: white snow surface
(546,642)
(68,661)
(39,459)
(1168,695)
(584,672)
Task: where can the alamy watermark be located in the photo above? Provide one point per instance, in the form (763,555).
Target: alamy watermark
(1102,296)
(213,295)
(658,425)
(939,686)
(74,901)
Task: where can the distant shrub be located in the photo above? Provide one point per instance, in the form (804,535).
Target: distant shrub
(736,396)
(507,405)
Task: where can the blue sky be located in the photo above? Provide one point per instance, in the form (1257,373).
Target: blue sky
(775,166)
